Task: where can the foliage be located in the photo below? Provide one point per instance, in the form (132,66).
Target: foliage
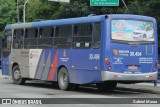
(82,8)
(44,9)
(53,10)
(7,13)
(41,9)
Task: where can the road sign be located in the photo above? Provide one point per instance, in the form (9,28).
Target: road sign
(104,2)
(67,1)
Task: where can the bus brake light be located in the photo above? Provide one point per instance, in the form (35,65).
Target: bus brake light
(155,66)
(108,64)
(150,76)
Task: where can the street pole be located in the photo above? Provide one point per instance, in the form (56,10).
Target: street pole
(17,11)
(24,11)
(125,5)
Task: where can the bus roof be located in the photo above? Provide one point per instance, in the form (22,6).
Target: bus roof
(88,19)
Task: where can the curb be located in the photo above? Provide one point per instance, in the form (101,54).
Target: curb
(148,84)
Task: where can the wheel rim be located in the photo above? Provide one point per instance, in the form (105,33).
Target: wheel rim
(17,74)
(64,79)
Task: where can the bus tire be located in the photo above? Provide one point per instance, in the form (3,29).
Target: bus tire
(16,76)
(63,79)
(106,86)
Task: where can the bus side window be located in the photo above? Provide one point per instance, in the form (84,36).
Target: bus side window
(90,30)
(26,42)
(45,39)
(62,37)
(75,30)
(26,33)
(36,33)
(30,40)
(14,34)
(52,32)
(18,39)
(96,35)
(57,31)
(55,40)
(82,35)
(40,33)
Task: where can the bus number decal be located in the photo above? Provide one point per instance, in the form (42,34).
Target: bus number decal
(94,56)
(135,53)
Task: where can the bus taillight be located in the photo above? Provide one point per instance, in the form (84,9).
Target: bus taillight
(155,66)
(150,76)
(108,63)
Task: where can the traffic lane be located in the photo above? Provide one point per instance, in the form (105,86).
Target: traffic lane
(34,89)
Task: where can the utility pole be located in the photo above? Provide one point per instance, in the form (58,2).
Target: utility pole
(125,5)
(17,11)
(24,11)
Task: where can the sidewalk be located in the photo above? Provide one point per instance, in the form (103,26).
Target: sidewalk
(149,84)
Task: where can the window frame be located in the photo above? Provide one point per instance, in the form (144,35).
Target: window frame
(19,41)
(64,46)
(41,32)
(35,37)
(84,44)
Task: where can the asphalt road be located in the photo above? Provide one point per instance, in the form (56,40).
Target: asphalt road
(40,89)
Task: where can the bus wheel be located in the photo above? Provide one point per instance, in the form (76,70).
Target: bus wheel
(16,76)
(63,79)
(106,86)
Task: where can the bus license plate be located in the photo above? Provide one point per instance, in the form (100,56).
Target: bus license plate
(132,67)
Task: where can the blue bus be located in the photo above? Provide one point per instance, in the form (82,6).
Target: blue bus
(101,49)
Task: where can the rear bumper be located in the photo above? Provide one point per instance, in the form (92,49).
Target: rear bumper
(107,75)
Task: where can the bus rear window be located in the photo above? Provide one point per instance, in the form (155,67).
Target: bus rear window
(132,30)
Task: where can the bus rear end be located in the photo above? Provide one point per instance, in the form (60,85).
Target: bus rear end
(131,50)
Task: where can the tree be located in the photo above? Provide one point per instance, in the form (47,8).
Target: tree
(41,9)
(7,13)
(80,8)
(44,9)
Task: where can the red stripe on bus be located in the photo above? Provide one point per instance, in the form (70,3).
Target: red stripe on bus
(54,66)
